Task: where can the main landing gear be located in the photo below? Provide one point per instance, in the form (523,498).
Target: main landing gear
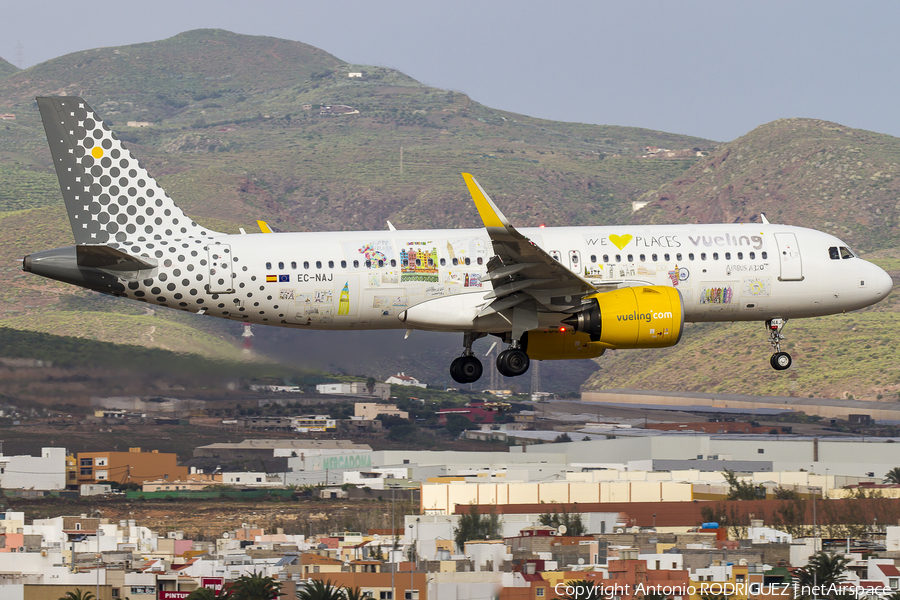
(780,360)
(467,368)
(513,361)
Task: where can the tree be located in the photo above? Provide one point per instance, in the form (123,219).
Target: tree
(824,570)
(572,521)
(738,489)
(475,526)
(78,595)
(782,493)
(255,587)
(317,589)
(892,476)
(561,438)
(456,424)
(353,593)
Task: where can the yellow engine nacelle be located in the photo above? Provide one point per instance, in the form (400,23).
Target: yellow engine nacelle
(634,317)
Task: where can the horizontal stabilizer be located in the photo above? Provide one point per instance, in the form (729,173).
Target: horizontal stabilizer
(106,257)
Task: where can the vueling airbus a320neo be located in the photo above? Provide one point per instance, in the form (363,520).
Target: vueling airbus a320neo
(549,293)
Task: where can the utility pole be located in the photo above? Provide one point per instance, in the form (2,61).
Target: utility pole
(401,160)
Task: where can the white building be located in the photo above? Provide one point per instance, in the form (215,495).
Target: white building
(404,379)
(44,472)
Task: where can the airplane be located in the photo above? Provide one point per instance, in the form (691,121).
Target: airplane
(548,293)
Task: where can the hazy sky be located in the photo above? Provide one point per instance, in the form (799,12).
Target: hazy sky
(707,68)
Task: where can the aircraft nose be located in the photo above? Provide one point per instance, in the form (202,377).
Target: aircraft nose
(883,284)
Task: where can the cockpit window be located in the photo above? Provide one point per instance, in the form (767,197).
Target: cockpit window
(846,252)
(833,253)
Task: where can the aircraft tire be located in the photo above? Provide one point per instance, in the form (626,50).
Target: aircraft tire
(512,362)
(781,361)
(470,369)
(455,371)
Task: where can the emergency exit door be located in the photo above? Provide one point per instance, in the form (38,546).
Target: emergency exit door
(789,257)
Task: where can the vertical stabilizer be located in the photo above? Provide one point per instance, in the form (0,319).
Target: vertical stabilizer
(110,197)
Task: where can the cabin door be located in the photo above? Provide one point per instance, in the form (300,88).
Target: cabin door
(221,279)
(789,257)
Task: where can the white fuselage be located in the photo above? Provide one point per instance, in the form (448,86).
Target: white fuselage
(364,280)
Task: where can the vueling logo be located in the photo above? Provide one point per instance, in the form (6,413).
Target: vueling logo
(650,316)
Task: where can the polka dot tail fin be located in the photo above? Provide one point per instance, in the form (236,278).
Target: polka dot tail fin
(109,196)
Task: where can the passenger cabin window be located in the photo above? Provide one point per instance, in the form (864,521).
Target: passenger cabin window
(393,262)
(355,264)
(643,257)
(430,262)
(593,258)
(455,261)
(715,256)
(293,264)
(318,264)
(330,264)
(678,256)
(268,266)
(404,262)
(690,256)
(443,262)
(469,260)
(556,256)
(765,255)
(368,264)
(654,258)
(380,263)
(418,262)
(343,264)
(728,256)
(753,256)
(281,265)
(740,256)
(305,264)
(631,258)
(618,258)
(480,260)
(667,257)
(606,258)
(703,256)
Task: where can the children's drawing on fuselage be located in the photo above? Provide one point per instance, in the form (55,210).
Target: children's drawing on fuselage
(717,293)
(472,280)
(757,286)
(286,294)
(391,277)
(323,296)
(371,254)
(460,249)
(419,261)
(434,291)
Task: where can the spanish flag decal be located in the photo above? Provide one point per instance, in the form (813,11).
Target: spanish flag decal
(271,278)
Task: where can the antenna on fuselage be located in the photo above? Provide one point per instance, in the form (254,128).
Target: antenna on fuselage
(764,219)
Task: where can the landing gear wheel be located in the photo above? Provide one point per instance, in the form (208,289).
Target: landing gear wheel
(454,370)
(780,361)
(470,368)
(466,369)
(512,362)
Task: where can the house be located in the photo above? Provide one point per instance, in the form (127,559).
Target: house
(354,75)
(371,410)
(133,466)
(404,379)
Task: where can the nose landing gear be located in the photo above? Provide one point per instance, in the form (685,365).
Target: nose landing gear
(780,360)
(467,368)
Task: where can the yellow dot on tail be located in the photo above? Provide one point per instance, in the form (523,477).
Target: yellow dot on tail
(97,152)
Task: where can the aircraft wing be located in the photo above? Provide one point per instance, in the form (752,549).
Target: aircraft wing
(521,271)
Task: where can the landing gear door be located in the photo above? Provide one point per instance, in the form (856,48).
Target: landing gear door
(789,257)
(221,280)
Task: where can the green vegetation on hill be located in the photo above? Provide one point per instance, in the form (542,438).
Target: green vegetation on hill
(7,68)
(798,172)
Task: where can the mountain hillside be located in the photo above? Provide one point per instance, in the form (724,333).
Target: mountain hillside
(234,128)
(798,172)
(6,68)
